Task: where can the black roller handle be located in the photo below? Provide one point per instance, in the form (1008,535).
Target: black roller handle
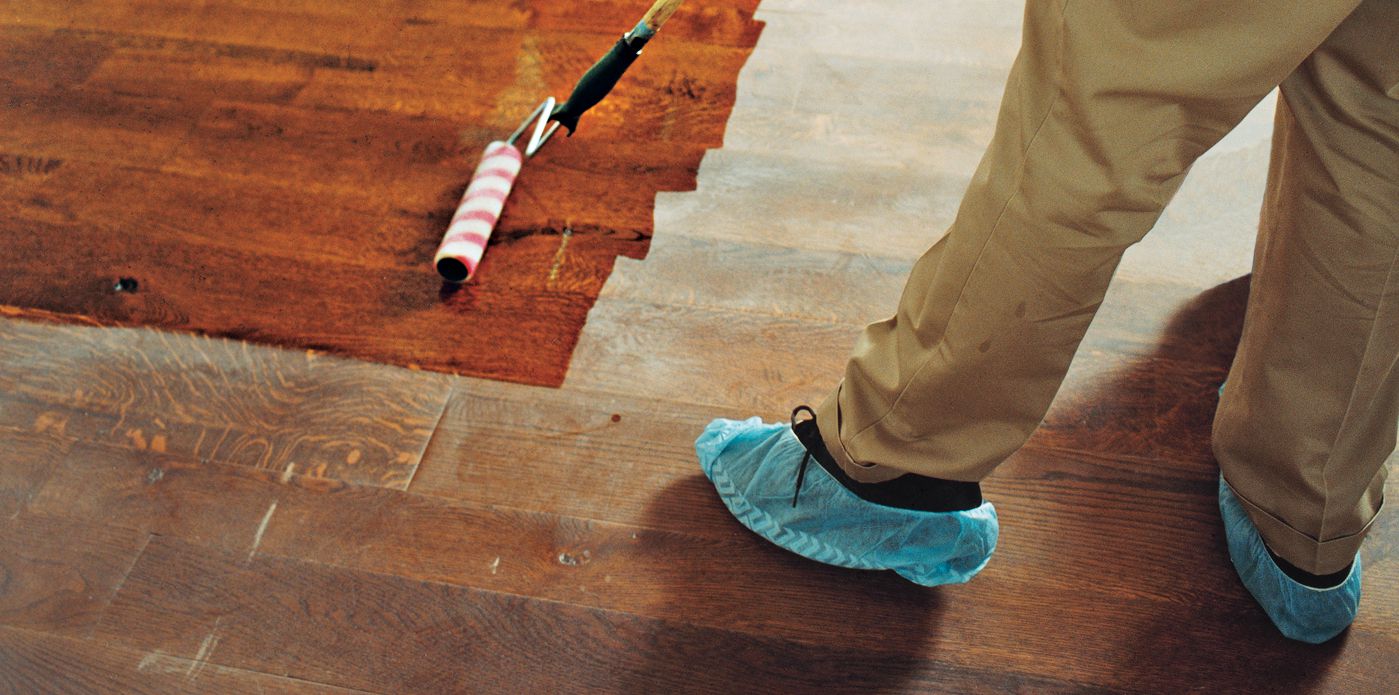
(598,81)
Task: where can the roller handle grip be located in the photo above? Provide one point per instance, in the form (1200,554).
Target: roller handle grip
(595,84)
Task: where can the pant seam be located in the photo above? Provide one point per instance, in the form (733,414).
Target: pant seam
(1350,407)
(996,226)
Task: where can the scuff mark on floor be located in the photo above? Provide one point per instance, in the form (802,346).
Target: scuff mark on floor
(160,662)
(261,529)
(206,650)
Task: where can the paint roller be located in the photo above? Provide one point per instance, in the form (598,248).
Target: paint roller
(476,215)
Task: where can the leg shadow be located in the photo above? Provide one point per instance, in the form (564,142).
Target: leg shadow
(766,620)
(1157,408)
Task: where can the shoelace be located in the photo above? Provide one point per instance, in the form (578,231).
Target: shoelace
(806,458)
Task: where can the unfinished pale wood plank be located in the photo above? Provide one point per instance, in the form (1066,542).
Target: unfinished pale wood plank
(877,209)
(1149,364)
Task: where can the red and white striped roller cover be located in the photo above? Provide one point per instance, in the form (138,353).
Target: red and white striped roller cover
(480,207)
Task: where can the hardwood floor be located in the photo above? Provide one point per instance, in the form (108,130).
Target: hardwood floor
(282,172)
(185,513)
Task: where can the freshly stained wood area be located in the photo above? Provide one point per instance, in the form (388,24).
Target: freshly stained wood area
(184,513)
(281,172)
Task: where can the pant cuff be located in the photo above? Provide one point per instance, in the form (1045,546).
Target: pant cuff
(1307,553)
(828,421)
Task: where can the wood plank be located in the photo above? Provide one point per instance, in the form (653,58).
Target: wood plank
(61,573)
(405,316)
(1058,511)
(663,100)
(214,505)
(577,561)
(641,471)
(750,364)
(753,277)
(63,122)
(628,565)
(211,212)
(974,32)
(410,636)
(318,26)
(40,663)
(421,164)
(220,400)
(1139,391)
(48,58)
(1053,504)
(1009,633)
(590,455)
(882,208)
(26,460)
(727,24)
(1155,353)
(271,23)
(214,216)
(826,107)
(389,531)
(194,70)
(153,66)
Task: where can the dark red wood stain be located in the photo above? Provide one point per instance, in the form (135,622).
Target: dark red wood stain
(284,177)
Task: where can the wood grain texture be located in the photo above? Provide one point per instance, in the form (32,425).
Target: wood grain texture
(591,455)
(26,461)
(428,637)
(42,663)
(661,345)
(287,176)
(219,400)
(60,573)
(218,505)
(641,571)
(321,523)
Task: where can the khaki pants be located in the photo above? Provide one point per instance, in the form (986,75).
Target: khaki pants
(1106,107)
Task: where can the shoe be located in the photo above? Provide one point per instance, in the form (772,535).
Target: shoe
(761,473)
(1299,611)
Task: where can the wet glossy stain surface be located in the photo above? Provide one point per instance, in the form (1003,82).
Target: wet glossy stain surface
(282,172)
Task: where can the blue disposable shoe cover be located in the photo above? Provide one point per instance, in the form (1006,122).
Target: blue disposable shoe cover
(1299,611)
(753,466)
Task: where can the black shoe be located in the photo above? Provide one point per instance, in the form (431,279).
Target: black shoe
(908,491)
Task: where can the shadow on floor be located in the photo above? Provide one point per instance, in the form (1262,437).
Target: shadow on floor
(1153,412)
(822,628)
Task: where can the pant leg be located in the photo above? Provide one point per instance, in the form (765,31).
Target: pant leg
(1310,412)
(1107,106)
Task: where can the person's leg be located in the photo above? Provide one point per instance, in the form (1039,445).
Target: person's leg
(1309,415)
(1107,106)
